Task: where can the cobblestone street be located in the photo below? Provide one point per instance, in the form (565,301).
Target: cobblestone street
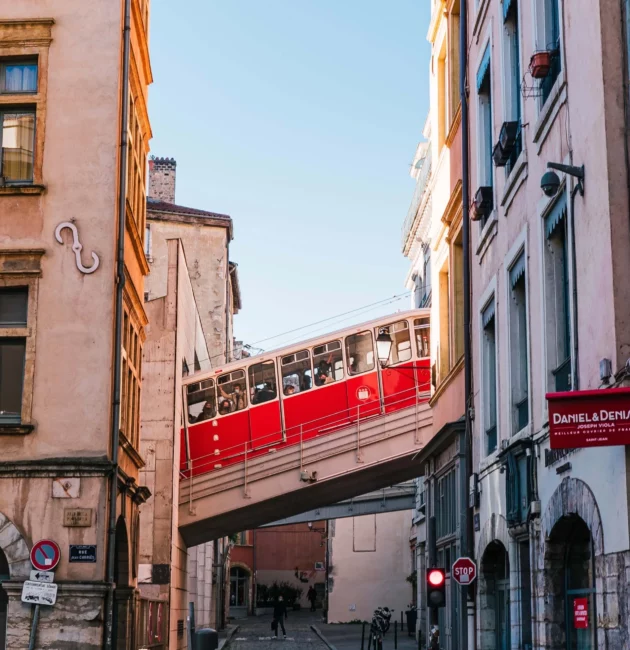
(255,632)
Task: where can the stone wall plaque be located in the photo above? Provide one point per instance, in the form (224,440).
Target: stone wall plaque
(77,517)
(66,488)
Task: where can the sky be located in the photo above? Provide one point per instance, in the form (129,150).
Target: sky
(299,119)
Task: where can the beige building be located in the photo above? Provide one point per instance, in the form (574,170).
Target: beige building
(191,296)
(369,561)
(74,140)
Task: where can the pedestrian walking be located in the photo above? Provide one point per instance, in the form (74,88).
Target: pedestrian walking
(279,614)
(312,596)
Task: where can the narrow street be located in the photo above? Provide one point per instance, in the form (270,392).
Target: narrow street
(255,632)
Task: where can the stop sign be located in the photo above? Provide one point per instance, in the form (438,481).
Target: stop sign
(464,570)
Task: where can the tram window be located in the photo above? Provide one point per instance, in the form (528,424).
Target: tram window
(360,353)
(262,382)
(297,375)
(231,392)
(202,403)
(401,342)
(328,363)
(422,331)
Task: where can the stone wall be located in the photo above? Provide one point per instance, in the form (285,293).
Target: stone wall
(162,172)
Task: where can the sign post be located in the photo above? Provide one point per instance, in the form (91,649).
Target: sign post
(464,571)
(40,589)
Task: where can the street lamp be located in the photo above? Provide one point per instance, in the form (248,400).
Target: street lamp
(383,346)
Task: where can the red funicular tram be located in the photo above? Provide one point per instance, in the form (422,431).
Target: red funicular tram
(282,397)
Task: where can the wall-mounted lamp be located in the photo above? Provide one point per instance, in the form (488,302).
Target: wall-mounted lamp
(550,181)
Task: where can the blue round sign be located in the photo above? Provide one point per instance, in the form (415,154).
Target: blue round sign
(45,555)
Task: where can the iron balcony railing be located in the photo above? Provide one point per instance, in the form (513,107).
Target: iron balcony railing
(421,186)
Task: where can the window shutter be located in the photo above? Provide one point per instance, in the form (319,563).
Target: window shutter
(487,315)
(484,68)
(518,270)
(555,216)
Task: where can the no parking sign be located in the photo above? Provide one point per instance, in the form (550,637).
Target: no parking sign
(45,555)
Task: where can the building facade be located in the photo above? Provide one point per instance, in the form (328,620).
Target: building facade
(549,305)
(72,266)
(370,564)
(191,296)
(432,240)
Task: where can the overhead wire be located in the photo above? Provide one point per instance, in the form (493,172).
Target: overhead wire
(323,324)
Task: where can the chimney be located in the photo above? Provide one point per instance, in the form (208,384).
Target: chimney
(162,179)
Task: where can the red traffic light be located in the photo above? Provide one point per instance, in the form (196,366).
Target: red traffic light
(436,577)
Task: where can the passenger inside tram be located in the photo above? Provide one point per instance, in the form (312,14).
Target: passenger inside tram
(235,395)
(225,407)
(289,389)
(207,413)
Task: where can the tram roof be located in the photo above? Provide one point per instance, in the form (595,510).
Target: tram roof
(300,345)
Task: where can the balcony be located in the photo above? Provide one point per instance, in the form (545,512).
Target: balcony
(410,223)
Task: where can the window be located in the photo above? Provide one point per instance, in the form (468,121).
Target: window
(136,167)
(131,380)
(13,316)
(185,368)
(231,391)
(518,345)
(360,353)
(18,77)
(453,58)
(444,306)
(457,257)
(297,374)
(401,342)
(328,363)
(18,145)
(489,369)
(518,487)
(556,287)
(148,242)
(446,510)
(262,382)
(442,90)
(548,28)
(484,124)
(426,297)
(512,74)
(422,331)
(202,401)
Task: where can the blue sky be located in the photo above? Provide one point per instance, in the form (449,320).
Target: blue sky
(299,118)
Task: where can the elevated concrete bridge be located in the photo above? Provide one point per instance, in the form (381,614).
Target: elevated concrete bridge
(369,455)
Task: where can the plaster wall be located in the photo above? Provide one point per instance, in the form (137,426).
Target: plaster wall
(361,581)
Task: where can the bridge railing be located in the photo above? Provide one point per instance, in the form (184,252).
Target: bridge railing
(242,453)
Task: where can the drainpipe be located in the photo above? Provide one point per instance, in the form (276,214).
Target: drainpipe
(575,381)
(110,632)
(465,521)
(228,282)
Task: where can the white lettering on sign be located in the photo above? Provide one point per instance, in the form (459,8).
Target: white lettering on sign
(39,593)
(588,418)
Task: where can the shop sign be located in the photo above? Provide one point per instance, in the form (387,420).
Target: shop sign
(589,418)
(580,613)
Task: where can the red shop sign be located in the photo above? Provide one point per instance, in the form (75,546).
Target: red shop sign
(589,418)
(580,613)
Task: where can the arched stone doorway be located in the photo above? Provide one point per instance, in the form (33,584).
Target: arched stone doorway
(4,600)
(122,617)
(494,595)
(570,585)
(239,591)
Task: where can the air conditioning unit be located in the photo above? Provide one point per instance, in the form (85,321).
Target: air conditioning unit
(482,203)
(505,145)
(319,566)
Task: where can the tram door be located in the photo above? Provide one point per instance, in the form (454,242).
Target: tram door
(422,336)
(362,383)
(399,375)
(265,425)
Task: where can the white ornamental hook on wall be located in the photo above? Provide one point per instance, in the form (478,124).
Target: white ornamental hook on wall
(77,247)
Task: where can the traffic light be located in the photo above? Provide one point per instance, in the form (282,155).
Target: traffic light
(436,587)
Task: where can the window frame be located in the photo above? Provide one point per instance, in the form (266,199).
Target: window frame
(220,398)
(513,104)
(8,61)
(542,29)
(485,164)
(344,361)
(251,386)
(282,375)
(25,109)
(486,406)
(518,251)
(29,40)
(29,281)
(187,394)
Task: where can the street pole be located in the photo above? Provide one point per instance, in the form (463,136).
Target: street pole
(465,455)
(31,641)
